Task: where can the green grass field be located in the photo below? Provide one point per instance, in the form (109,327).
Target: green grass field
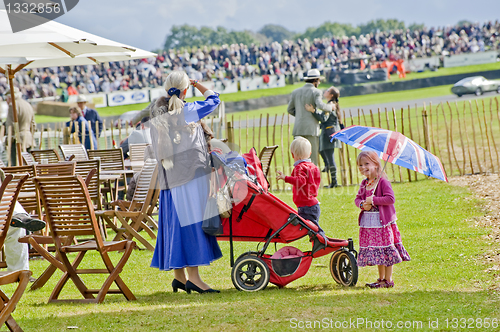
(445,279)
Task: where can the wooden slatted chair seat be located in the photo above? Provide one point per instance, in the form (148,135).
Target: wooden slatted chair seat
(136,153)
(133,215)
(51,155)
(59,169)
(111,160)
(27,158)
(266,156)
(70,214)
(77,150)
(9,190)
(83,167)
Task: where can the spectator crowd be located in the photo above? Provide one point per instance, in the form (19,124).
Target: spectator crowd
(239,60)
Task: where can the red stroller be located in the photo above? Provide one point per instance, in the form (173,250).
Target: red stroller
(259,216)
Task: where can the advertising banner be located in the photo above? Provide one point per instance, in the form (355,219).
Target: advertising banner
(128,97)
(468,59)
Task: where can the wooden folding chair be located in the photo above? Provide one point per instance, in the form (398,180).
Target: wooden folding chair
(9,190)
(70,213)
(51,155)
(83,168)
(59,169)
(136,153)
(266,156)
(45,240)
(27,158)
(133,215)
(77,150)
(112,162)
(28,197)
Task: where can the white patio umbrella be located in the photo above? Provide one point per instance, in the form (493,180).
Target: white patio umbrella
(54,44)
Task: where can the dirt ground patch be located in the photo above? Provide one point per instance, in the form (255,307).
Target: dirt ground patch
(487,188)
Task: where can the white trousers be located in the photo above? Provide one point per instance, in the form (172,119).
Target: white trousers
(16,254)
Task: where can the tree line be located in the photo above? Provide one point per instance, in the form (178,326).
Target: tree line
(187,36)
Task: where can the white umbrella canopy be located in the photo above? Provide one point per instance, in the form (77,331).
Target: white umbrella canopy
(54,44)
(54,40)
(86,59)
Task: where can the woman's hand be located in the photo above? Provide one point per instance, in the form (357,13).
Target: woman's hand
(369,200)
(367,206)
(193,82)
(280,176)
(310,108)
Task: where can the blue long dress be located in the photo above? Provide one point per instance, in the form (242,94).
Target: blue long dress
(181,241)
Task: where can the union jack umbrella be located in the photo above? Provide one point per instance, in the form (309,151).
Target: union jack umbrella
(393,147)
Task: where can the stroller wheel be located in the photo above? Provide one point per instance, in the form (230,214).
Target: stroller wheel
(333,267)
(250,273)
(347,268)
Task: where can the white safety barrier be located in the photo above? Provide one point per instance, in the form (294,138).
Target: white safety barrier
(421,64)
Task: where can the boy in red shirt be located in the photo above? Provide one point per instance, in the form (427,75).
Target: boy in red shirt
(305,179)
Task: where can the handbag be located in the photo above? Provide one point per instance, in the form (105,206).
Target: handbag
(212,224)
(224,202)
(222,196)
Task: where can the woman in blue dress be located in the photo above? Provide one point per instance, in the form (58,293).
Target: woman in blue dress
(184,171)
(76,124)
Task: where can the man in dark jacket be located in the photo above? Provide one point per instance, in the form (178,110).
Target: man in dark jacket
(89,114)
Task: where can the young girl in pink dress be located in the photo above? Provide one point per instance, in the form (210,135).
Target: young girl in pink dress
(379,237)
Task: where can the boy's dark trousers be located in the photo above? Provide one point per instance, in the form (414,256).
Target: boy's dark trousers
(311,213)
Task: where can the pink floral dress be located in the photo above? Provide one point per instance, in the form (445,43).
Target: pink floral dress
(380,241)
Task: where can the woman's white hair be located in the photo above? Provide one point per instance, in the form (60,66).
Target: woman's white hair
(301,148)
(177,79)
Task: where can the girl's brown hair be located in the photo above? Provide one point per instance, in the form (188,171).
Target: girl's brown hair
(335,99)
(77,110)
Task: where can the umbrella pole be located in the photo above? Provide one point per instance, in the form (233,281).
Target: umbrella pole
(10,75)
(379,176)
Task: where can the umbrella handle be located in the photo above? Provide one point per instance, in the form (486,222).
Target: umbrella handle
(379,176)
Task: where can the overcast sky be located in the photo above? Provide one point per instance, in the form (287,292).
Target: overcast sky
(146,23)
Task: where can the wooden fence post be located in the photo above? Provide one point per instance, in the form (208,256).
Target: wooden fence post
(97,136)
(451,139)
(230,132)
(487,137)
(343,150)
(426,129)
(483,146)
(403,132)
(447,140)
(411,132)
(474,137)
(276,156)
(468,142)
(491,131)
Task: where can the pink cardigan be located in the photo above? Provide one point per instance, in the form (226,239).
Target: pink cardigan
(383,199)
